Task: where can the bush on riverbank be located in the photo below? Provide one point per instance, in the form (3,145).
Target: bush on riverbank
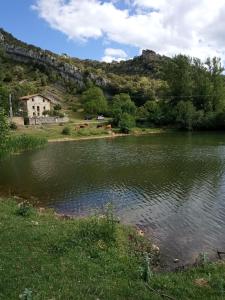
(47,256)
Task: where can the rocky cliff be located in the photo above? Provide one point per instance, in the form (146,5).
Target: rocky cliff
(22,52)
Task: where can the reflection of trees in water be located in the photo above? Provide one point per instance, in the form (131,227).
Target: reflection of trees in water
(156,164)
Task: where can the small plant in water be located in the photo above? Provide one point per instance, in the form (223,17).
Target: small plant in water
(26,295)
(24,209)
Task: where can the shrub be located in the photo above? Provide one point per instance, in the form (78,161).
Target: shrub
(13,126)
(66,131)
(24,209)
(99,228)
(3,128)
(126,123)
(61,115)
(26,295)
(46,112)
(57,107)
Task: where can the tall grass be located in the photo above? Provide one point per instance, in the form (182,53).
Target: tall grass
(21,143)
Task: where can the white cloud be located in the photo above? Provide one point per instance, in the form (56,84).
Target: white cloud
(112,54)
(194,27)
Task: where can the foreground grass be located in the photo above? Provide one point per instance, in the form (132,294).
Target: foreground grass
(43,256)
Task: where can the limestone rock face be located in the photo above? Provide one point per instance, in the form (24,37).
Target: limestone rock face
(30,54)
(82,71)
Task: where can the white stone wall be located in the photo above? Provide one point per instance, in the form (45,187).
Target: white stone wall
(48,120)
(36,106)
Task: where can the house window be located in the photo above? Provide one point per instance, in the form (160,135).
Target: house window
(44,107)
(38,114)
(34,114)
(33,107)
(38,108)
(43,100)
(33,99)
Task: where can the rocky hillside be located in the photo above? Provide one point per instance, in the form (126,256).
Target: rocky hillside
(140,77)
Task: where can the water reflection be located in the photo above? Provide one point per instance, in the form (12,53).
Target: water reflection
(172,184)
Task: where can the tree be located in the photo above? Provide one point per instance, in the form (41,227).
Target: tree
(151,111)
(178,74)
(202,86)
(4,128)
(121,104)
(94,101)
(126,122)
(185,114)
(4,96)
(218,94)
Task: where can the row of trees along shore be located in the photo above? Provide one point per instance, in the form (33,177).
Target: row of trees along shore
(193,98)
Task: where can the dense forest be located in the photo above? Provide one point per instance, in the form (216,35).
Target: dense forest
(149,90)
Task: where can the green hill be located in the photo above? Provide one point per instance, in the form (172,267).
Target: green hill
(27,69)
(181,91)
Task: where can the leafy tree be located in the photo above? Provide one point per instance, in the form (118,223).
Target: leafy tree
(218,88)
(185,114)
(4,127)
(126,122)
(94,101)
(121,104)
(202,86)
(4,95)
(178,74)
(151,111)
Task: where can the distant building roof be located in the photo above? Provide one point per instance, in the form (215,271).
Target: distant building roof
(31,96)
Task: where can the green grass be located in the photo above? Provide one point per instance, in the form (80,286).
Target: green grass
(93,258)
(15,144)
(52,132)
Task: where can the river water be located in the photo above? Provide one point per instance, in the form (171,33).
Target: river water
(171,185)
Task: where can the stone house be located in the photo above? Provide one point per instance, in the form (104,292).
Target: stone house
(35,105)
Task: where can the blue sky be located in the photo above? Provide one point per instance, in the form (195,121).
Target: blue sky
(118,29)
(18,18)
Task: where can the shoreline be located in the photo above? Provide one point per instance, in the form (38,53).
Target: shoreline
(175,265)
(109,136)
(91,137)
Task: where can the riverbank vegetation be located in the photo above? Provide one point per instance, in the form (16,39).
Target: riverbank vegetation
(13,144)
(47,256)
(193,98)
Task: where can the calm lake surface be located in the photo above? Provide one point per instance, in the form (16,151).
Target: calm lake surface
(171,185)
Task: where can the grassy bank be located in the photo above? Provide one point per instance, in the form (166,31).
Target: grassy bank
(46,256)
(15,144)
(54,132)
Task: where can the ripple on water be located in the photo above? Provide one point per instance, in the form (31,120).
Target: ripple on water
(171,185)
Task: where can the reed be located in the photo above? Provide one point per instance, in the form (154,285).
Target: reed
(21,143)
